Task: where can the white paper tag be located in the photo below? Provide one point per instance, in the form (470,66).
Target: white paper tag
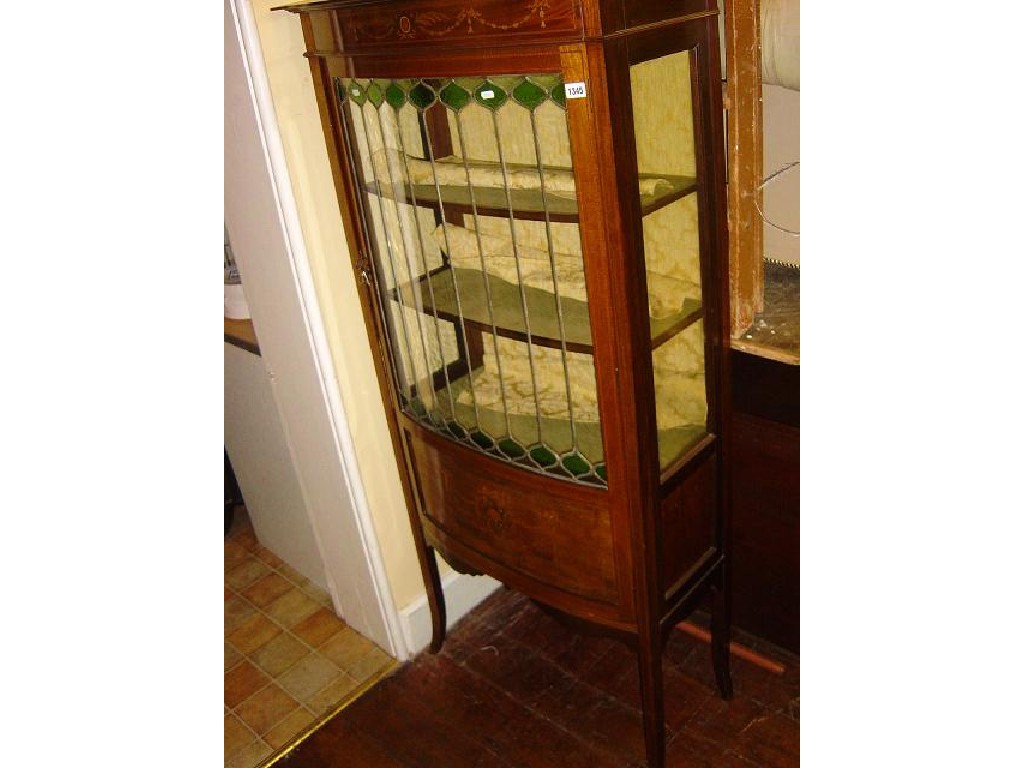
(575,90)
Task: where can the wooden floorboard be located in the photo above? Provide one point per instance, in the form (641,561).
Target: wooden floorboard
(512,688)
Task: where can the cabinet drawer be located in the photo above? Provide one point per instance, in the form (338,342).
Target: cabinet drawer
(444,22)
(559,536)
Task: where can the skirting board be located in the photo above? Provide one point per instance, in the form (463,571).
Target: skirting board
(462,593)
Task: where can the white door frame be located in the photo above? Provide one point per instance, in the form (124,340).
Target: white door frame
(262,217)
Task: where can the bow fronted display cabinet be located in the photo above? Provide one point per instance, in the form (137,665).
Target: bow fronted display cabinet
(534,192)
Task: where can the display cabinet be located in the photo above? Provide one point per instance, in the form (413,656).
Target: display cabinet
(533,192)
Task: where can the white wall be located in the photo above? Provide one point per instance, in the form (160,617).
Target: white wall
(259,214)
(262,463)
(781,195)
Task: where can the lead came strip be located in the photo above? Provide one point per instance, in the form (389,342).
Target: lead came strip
(554,281)
(519,275)
(353,89)
(428,144)
(483,267)
(423,261)
(407,246)
(412,387)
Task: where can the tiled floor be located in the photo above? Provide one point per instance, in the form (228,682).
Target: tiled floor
(288,659)
(513,688)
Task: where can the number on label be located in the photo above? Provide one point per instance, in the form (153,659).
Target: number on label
(575,90)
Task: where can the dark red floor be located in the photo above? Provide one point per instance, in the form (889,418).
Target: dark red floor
(512,688)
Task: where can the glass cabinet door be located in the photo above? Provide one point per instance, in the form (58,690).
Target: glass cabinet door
(663,122)
(468,202)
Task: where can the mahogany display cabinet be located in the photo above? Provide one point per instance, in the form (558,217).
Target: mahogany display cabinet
(534,198)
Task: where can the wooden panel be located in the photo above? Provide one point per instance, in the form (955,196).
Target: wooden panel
(653,11)
(766,529)
(322,27)
(421,23)
(746,233)
(550,530)
(766,388)
(687,522)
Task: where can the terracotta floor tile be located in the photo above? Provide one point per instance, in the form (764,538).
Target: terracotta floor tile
(241,682)
(236,611)
(332,695)
(254,633)
(236,736)
(723,721)
(317,595)
(280,653)
(283,733)
(291,608)
(234,555)
(251,756)
(268,557)
(245,574)
(319,627)
(247,539)
(292,575)
(309,676)
(266,589)
(506,702)
(773,740)
(346,648)
(231,656)
(368,666)
(263,710)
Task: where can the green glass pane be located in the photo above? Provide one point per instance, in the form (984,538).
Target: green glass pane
(419,410)
(506,82)
(455,96)
(543,456)
(511,448)
(456,429)
(395,96)
(558,94)
(576,464)
(547,82)
(356,93)
(490,95)
(601,471)
(422,95)
(482,440)
(375,93)
(529,95)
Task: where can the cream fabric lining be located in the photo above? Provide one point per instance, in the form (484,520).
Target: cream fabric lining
(665,294)
(680,399)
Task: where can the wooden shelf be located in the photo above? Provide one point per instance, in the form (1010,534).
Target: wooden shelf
(526,204)
(775,332)
(435,294)
(242,334)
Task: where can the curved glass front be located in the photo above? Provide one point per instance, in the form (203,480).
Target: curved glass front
(468,200)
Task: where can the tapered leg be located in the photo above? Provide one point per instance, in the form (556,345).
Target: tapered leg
(720,622)
(435,599)
(653,698)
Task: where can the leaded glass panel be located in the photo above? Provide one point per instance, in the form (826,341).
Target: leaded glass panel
(469,203)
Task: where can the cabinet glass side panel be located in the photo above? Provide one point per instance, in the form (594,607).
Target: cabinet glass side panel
(468,203)
(662,100)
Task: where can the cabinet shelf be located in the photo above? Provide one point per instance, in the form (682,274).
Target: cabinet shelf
(526,204)
(436,294)
(527,430)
